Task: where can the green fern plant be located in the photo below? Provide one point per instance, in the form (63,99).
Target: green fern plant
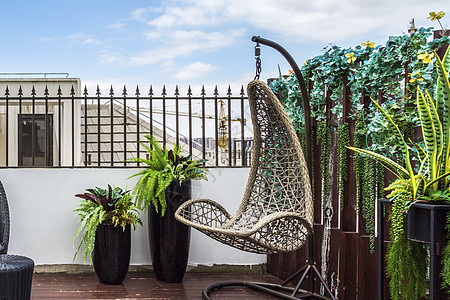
(163,167)
(112,205)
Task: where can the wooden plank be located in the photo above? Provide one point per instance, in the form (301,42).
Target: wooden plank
(289,264)
(348,214)
(317,180)
(275,264)
(318,237)
(438,34)
(367,270)
(348,265)
(333,259)
(334,181)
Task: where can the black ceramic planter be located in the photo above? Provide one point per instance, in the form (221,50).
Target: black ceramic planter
(111,255)
(169,239)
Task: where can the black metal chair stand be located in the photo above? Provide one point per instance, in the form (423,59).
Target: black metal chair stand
(276,290)
(282,291)
(16,272)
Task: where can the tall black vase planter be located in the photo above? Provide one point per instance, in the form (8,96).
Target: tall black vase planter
(169,239)
(111,255)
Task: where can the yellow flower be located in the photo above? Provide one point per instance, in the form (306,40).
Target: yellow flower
(306,62)
(368,44)
(412,80)
(351,57)
(290,72)
(436,16)
(426,57)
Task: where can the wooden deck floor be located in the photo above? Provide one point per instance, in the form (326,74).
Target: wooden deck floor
(141,286)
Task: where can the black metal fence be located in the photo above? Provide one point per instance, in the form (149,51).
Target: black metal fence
(83,130)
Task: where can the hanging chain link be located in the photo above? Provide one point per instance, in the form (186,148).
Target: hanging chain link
(258,60)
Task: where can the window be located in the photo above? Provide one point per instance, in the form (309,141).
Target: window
(35,140)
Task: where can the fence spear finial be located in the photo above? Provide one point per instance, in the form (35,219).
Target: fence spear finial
(137,91)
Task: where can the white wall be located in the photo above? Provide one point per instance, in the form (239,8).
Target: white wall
(43,223)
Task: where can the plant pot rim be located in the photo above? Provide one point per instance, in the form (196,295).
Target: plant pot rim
(430,204)
(106,223)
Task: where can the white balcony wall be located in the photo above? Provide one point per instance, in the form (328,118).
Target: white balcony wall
(43,223)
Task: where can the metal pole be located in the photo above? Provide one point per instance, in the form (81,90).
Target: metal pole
(307,112)
(304,92)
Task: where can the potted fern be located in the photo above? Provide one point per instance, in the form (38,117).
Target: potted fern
(162,187)
(106,216)
(427,182)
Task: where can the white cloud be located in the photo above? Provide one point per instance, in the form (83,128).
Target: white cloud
(187,29)
(77,36)
(139,14)
(118,26)
(45,39)
(153,35)
(302,20)
(188,16)
(111,58)
(84,38)
(184,43)
(91,41)
(194,70)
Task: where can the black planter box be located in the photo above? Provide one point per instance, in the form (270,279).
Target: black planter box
(420,221)
(426,224)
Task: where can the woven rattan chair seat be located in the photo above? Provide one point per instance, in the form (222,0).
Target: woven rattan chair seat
(276,212)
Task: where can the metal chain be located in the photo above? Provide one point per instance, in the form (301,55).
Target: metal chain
(258,60)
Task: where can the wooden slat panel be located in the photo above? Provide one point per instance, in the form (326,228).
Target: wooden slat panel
(333,261)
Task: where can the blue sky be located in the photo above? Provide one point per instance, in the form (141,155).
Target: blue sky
(189,41)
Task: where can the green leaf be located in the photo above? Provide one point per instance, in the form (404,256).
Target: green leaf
(391,165)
